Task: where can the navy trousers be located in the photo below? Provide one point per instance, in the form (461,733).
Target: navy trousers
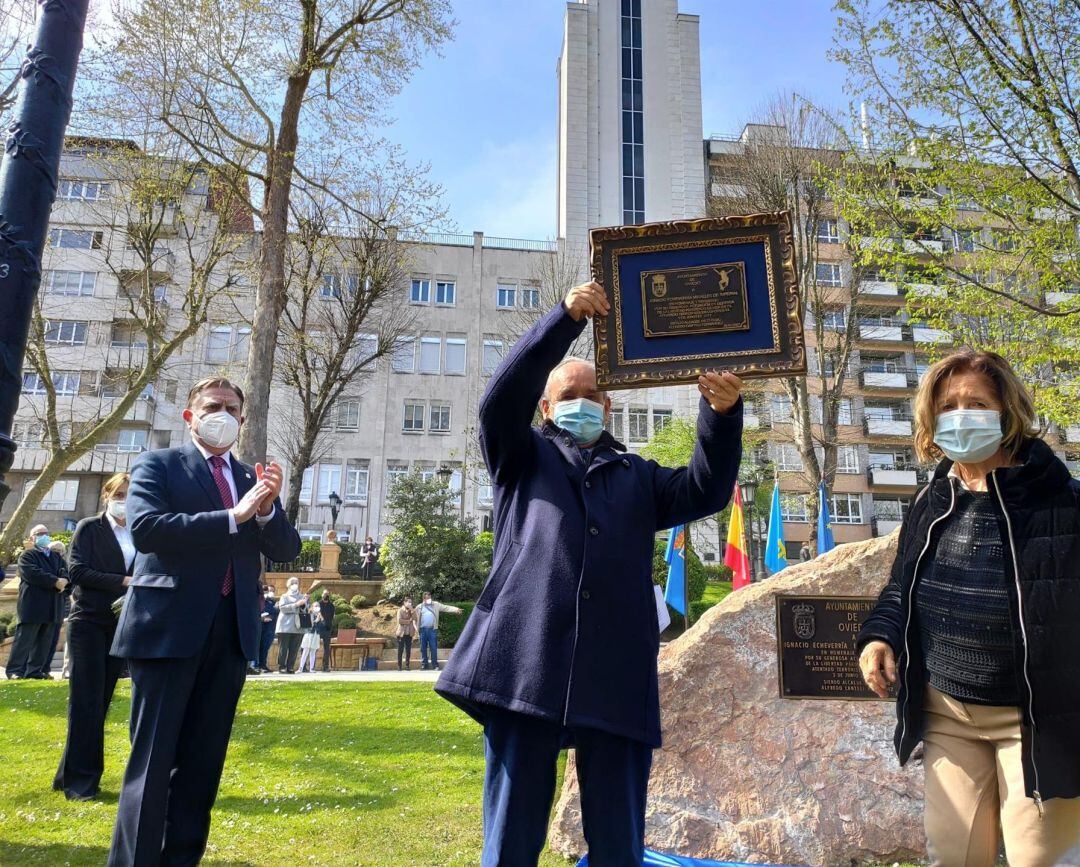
(93,679)
(519,787)
(181,718)
(265,640)
(30,650)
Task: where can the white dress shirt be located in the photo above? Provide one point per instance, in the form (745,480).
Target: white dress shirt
(227,471)
(123,537)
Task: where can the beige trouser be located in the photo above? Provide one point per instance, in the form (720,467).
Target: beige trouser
(975,780)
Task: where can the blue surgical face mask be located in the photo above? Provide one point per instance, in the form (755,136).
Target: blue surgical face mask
(969,435)
(582,418)
(43,541)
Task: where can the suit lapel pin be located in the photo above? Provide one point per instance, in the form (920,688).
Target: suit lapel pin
(247,475)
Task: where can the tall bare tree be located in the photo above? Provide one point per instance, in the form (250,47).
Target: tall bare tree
(343,314)
(788,163)
(286,94)
(16,24)
(170,246)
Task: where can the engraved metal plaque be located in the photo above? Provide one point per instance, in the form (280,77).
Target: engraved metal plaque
(701,300)
(815,646)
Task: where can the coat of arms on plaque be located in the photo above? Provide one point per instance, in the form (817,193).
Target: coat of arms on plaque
(659,285)
(803,620)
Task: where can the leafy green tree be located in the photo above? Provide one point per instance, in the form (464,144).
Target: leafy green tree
(431,546)
(965,183)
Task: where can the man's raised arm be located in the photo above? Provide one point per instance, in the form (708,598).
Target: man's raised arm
(508,404)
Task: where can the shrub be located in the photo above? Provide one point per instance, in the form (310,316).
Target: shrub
(484,545)
(358,600)
(450,625)
(11,626)
(344,620)
(718,572)
(699,608)
(5,618)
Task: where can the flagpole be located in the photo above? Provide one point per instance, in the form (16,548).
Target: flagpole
(686,580)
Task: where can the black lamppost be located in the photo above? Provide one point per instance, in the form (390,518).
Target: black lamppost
(28,183)
(748,491)
(335,507)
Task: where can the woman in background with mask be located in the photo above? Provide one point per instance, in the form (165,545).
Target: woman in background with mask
(979,624)
(102,556)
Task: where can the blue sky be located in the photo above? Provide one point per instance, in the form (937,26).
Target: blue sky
(483,114)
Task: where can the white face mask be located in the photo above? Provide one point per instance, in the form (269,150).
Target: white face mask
(218,429)
(118,509)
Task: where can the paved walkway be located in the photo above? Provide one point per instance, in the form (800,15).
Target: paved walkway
(414,676)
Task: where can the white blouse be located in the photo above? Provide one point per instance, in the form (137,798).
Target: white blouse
(123,536)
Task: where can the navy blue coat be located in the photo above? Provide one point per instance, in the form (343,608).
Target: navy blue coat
(39,600)
(181,530)
(565,628)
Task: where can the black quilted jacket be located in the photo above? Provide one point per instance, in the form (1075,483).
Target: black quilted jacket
(1038,506)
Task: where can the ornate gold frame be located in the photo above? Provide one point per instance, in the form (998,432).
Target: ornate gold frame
(787,323)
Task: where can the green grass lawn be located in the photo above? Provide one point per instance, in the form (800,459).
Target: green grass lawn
(715,591)
(318,773)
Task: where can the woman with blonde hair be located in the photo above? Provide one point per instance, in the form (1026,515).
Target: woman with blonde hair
(102,557)
(979,625)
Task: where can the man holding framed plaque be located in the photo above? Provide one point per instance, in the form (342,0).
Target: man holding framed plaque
(696,295)
(561,648)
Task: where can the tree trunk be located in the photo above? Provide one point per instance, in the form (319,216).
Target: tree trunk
(15,528)
(300,462)
(270,298)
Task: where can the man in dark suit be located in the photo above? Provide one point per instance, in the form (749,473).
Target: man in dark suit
(42,583)
(201,521)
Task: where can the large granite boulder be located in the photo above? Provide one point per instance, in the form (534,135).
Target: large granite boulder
(747,776)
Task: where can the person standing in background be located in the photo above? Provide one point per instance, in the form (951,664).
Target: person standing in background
(289,631)
(101,561)
(269,621)
(57,546)
(43,579)
(427,617)
(406,629)
(369,553)
(325,626)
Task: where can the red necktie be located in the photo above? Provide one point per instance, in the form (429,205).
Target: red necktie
(218,464)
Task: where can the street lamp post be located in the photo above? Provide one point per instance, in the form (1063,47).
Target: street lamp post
(748,492)
(28,185)
(335,507)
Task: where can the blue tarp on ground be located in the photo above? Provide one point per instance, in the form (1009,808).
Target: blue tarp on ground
(658,859)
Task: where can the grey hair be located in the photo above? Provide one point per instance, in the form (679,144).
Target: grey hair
(570,359)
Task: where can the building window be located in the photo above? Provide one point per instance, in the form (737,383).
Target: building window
(847,460)
(65,382)
(305,485)
(445,293)
(793,508)
(426,472)
(639,425)
(420,293)
(780,409)
(70,282)
(414,417)
(73,189)
(365,349)
(844,414)
(828,274)
(62,495)
(828,232)
(530,297)
(28,436)
(131,439)
(348,414)
(788,459)
(330,286)
(506,296)
(127,335)
(965,240)
(846,509)
(430,350)
(76,239)
(329,481)
(616,424)
(661,418)
(633,117)
(404,358)
(455,354)
(66,332)
(485,493)
(493,355)
(440,418)
(356,480)
(395,472)
(834,319)
(227,343)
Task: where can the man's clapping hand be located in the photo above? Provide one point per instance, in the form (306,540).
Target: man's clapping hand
(272,476)
(250,502)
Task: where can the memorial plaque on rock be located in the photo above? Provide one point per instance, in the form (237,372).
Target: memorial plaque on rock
(815,646)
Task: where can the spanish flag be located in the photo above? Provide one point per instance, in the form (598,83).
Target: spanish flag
(735,553)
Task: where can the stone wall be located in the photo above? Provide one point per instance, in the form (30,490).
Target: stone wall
(745,775)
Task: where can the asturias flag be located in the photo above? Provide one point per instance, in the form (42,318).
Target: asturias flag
(735,554)
(825,541)
(675,591)
(775,549)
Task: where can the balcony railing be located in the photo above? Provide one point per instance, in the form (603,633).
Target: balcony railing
(891,333)
(881,287)
(895,476)
(900,378)
(923,334)
(893,427)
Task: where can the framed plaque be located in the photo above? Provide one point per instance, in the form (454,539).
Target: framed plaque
(815,647)
(697,295)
